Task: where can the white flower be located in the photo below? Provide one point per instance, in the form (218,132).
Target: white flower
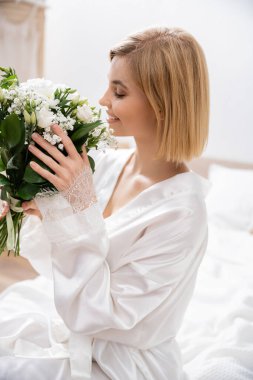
(39,86)
(84,113)
(45,118)
(53,103)
(75,98)
(96,132)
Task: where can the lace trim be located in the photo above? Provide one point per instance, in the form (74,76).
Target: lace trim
(81,194)
(59,204)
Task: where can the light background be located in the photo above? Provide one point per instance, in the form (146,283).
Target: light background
(79,34)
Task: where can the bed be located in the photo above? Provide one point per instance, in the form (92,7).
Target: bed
(216,337)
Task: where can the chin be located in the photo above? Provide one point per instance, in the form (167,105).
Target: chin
(117,131)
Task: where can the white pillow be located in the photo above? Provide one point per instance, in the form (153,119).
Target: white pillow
(230,199)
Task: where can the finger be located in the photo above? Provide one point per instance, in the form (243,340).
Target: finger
(34,212)
(84,155)
(66,141)
(4,205)
(47,175)
(52,150)
(29,205)
(4,210)
(49,161)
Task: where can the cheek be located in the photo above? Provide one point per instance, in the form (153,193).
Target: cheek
(133,112)
(122,109)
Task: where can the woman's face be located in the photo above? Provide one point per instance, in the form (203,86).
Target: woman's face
(129,112)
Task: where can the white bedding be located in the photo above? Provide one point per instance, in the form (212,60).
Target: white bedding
(216,337)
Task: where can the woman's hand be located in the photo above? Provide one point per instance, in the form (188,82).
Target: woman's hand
(65,168)
(30,208)
(5,209)
(72,174)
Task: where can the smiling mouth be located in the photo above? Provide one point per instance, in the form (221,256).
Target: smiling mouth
(112,119)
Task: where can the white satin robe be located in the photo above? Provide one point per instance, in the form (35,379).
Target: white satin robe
(121,284)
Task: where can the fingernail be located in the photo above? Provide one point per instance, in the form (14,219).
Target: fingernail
(30,147)
(35,135)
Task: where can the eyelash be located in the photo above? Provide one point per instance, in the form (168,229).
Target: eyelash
(118,95)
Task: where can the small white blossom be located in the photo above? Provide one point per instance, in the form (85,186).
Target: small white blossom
(56,138)
(40,86)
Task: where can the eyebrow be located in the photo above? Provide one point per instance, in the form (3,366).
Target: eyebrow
(120,83)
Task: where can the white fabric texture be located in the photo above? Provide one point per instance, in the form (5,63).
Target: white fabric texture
(120,284)
(230,203)
(216,337)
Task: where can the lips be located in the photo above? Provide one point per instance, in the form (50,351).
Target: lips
(112,119)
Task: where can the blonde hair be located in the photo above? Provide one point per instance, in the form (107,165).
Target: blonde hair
(170,67)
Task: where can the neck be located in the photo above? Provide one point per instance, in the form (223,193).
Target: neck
(144,163)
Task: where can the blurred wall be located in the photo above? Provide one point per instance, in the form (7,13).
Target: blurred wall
(22,37)
(79,34)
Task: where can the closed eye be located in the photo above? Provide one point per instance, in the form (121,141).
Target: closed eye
(119,95)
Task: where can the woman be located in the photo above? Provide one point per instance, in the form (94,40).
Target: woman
(123,248)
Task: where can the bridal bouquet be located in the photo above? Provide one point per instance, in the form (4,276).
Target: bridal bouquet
(33,106)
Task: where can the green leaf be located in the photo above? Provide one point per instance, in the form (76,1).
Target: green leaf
(4,180)
(92,163)
(9,77)
(3,193)
(27,191)
(4,156)
(31,176)
(13,132)
(15,169)
(16,162)
(83,130)
(2,166)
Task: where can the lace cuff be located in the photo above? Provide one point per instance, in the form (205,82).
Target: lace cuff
(79,196)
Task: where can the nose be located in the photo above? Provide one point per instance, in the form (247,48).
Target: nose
(104,100)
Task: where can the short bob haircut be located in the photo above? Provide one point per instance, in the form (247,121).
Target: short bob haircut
(169,66)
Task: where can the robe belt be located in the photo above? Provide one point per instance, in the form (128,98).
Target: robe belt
(64,345)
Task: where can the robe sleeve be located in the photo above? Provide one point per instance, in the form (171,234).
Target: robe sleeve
(92,297)
(35,246)
(34,243)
